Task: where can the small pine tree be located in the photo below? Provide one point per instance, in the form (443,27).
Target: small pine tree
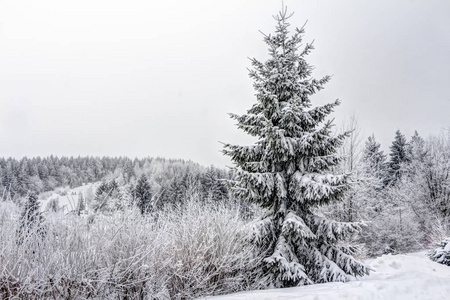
(376,209)
(53,205)
(398,157)
(113,186)
(374,159)
(179,189)
(102,198)
(81,205)
(129,195)
(31,219)
(212,186)
(143,194)
(416,148)
(10,180)
(102,189)
(442,254)
(31,211)
(288,171)
(115,195)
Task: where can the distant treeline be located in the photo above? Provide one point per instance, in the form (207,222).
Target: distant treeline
(169,177)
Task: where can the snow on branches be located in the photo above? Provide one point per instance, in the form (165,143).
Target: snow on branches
(288,170)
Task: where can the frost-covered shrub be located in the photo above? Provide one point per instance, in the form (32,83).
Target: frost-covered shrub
(180,254)
(208,251)
(442,254)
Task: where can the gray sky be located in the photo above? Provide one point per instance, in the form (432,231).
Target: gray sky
(157,78)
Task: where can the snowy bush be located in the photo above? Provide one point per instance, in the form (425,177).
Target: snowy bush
(180,254)
(442,254)
(207,250)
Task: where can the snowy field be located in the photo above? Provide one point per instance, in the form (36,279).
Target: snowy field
(394,277)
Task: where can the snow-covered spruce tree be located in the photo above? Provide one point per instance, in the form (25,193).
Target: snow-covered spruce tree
(31,219)
(417,151)
(143,195)
(287,171)
(81,204)
(100,201)
(398,158)
(374,160)
(371,194)
(441,254)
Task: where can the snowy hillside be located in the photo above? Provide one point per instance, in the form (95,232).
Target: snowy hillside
(394,277)
(67,198)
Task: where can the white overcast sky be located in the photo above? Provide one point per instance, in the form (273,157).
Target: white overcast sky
(157,78)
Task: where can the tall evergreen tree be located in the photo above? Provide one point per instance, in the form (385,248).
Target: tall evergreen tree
(143,194)
(288,170)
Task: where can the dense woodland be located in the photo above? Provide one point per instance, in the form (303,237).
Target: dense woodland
(20,177)
(167,181)
(403,195)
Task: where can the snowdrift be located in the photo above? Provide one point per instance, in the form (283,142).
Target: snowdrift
(394,277)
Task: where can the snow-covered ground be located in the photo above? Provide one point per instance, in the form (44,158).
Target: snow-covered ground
(395,277)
